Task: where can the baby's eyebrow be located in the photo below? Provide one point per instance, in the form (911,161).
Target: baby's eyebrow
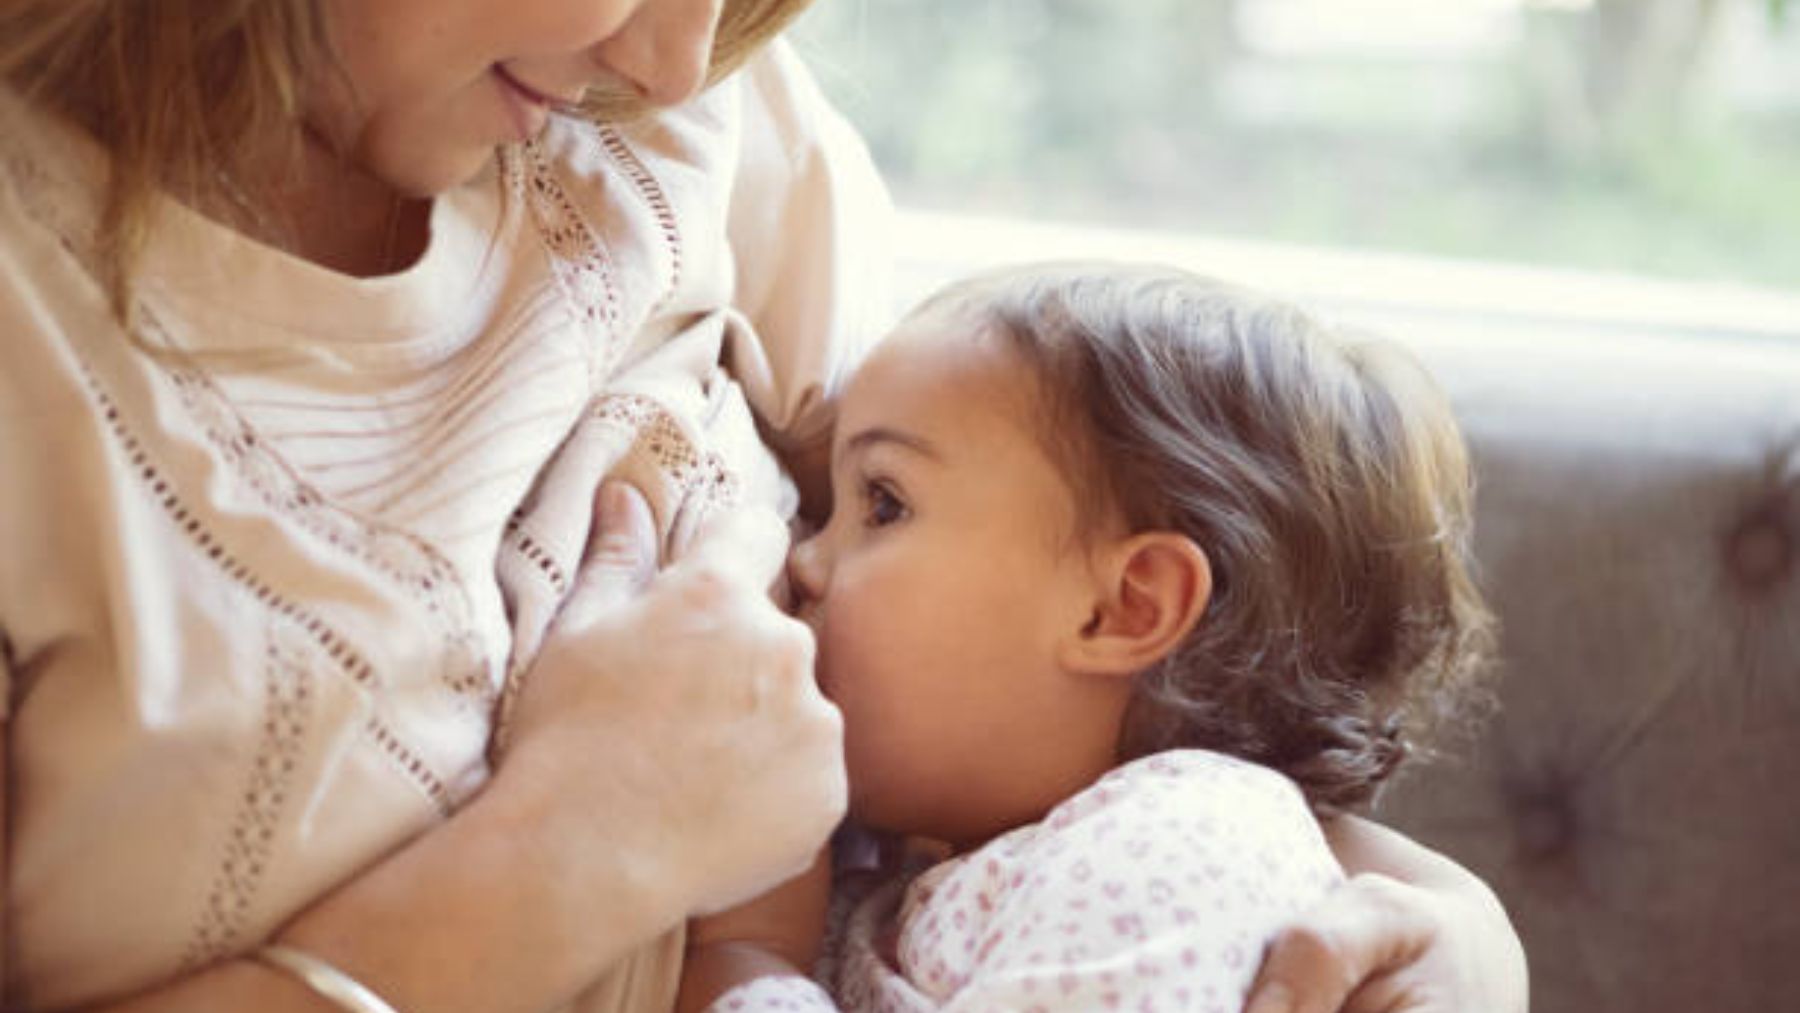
(875,435)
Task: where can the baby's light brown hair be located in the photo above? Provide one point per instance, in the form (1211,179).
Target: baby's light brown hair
(1325,479)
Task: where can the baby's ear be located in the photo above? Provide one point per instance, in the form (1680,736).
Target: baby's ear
(1150,591)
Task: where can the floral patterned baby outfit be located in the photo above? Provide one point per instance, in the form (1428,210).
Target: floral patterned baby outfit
(1154,889)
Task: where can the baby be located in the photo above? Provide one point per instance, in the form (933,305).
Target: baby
(1131,576)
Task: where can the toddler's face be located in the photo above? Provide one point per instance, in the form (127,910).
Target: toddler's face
(429,87)
(941,589)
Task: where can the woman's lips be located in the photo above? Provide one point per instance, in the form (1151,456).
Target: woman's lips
(528,106)
(547,101)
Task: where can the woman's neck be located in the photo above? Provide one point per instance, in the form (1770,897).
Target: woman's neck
(326,210)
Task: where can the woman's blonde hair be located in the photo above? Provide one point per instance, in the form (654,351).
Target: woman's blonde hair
(1325,479)
(176,91)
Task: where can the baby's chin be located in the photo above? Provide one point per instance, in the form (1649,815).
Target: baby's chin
(908,819)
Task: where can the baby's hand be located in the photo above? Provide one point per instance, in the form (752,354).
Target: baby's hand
(774,935)
(788,921)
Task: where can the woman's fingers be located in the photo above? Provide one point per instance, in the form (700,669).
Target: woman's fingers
(621,555)
(671,719)
(1365,929)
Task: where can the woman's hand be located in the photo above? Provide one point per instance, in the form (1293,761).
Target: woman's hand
(670,753)
(1432,940)
(672,719)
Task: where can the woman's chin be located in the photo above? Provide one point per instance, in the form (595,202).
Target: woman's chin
(422,175)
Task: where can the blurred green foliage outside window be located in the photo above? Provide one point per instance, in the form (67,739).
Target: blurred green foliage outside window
(1651,136)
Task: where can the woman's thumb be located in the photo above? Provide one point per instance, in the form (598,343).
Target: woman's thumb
(621,552)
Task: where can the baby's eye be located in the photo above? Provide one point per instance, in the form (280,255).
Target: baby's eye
(881,506)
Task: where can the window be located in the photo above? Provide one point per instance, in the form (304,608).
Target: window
(1654,137)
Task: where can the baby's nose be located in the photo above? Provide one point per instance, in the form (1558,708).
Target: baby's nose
(806,574)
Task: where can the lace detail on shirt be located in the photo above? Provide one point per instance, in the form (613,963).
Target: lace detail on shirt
(702,477)
(652,193)
(539,557)
(240,873)
(702,482)
(401,557)
(325,640)
(408,763)
(583,269)
(396,554)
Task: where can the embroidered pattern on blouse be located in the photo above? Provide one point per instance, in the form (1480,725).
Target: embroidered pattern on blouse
(400,556)
(653,195)
(408,763)
(539,557)
(286,706)
(582,267)
(701,480)
(698,475)
(334,645)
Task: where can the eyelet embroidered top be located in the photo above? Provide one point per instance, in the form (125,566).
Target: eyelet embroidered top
(1156,888)
(276,559)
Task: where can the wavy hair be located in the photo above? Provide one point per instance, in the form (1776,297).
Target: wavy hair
(1325,479)
(205,94)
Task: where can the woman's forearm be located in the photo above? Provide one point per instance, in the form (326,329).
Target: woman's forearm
(471,916)
(1363,845)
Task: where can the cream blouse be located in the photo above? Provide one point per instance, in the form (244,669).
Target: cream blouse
(270,562)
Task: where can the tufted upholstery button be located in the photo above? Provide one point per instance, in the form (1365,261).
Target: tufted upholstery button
(1544,829)
(1759,551)
(1544,823)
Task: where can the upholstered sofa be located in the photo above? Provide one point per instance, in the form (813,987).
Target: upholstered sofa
(1635,801)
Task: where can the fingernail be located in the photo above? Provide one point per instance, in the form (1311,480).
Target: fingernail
(613,501)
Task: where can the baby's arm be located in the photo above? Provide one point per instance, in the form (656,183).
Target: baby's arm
(757,953)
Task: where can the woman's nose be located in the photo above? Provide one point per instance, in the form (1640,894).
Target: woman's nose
(664,50)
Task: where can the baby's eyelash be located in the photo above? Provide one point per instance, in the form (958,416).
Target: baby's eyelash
(882,504)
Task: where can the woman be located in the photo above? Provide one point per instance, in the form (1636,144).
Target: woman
(307,398)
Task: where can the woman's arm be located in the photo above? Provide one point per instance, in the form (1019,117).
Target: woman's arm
(671,753)
(1411,931)
(452,923)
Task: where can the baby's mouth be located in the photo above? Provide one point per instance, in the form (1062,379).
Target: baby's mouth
(821,665)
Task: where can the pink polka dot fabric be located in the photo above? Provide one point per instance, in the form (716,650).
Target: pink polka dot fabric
(1155,889)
